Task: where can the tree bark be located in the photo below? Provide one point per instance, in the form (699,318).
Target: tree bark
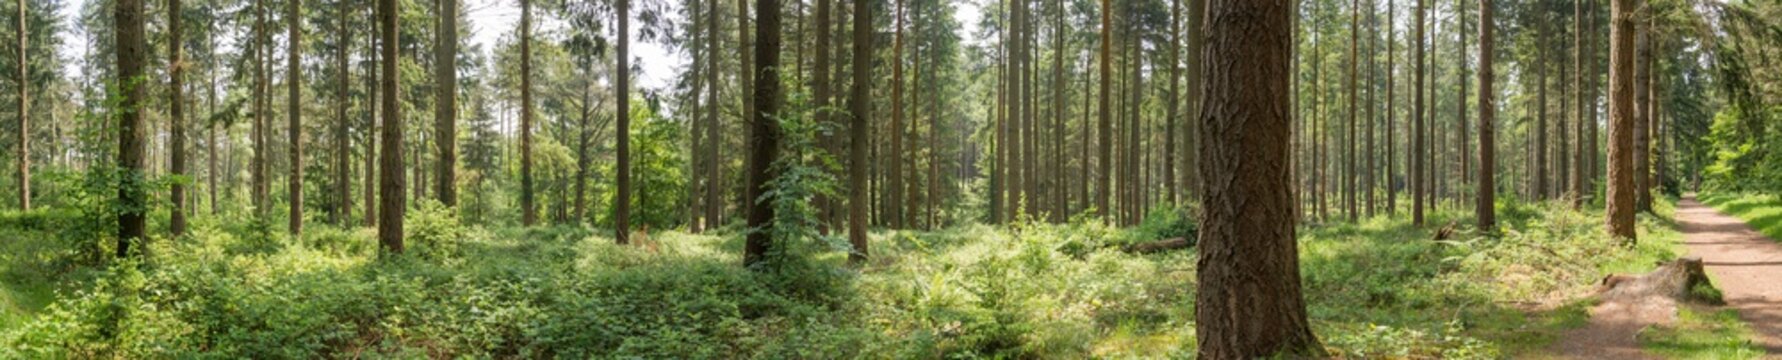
(1249,304)
(24,154)
(859,108)
(132,48)
(1643,118)
(391,196)
(622,200)
(343,143)
(894,176)
(1486,211)
(765,131)
(445,116)
(1622,118)
(176,117)
(261,45)
(294,105)
(528,206)
(1106,126)
(1349,202)
(1418,168)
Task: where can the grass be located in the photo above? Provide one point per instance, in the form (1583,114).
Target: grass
(1379,288)
(1701,333)
(1761,211)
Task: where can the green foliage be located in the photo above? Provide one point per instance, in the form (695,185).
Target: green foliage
(1762,212)
(432,231)
(1702,334)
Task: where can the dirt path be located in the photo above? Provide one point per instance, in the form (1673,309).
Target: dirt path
(1744,264)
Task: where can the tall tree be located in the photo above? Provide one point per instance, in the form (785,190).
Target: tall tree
(714,201)
(176,118)
(1105,127)
(894,174)
(1391,101)
(1620,202)
(445,111)
(860,112)
(1349,202)
(132,50)
(1642,126)
(1580,167)
(294,107)
(528,206)
(1250,303)
(261,49)
(1418,169)
(765,131)
(390,187)
(1197,10)
(24,108)
(343,143)
(1541,170)
(1173,104)
(1486,211)
(622,97)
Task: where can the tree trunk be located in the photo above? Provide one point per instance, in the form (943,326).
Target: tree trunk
(714,201)
(1106,126)
(343,143)
(1197,10)
(1644,98)
(1486,211)
(294,105)
(528,196)
(132,190)
(445,116)
(622,199)
(389,231)
(1417,167)
(859,107)
(210,158)
(1349,202)
(24,155)
(261,45)
(1250,303)
(765,131)
(894,175)
(1391,101)
(1580,167)
(1622,118)
(176,117)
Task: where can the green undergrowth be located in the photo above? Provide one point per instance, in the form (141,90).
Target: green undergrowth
(1701,333)
(1380,288)
(1762,212)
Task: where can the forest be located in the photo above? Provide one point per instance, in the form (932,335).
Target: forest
(891,179)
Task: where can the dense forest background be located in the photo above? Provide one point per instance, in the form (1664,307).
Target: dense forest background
(888,150)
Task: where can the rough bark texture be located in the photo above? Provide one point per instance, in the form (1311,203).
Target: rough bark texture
(176,118)
(1620,202)
(1486,209)
(390,188)
(1644,117)
(714,200)
(765,132)
(860,111)
(294,109)
(132,196)
(622,96)
(445,111)
(1249,304)
(1417,167)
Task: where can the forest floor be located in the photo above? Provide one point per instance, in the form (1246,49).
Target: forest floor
(1745,266)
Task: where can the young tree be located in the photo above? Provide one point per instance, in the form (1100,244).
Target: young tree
(1249,304)
(859,108)
(390,189)
(1486,211)
(132,49)
(294,107)
(445,111)
(176,142)
(765,131)
(529,210)
(1621,189)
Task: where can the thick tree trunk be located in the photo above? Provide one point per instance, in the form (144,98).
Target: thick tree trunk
(1486,209)
(1250,303)
(445,116)
(1644,98)
(859,108)
(1622,119)
(766,132)
(132,190)
(392,199)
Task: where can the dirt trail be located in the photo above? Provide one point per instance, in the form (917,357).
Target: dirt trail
(1744,264)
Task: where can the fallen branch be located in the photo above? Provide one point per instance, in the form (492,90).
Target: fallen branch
(1158,246)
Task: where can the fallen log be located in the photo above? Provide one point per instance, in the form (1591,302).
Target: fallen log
(1448,231)
(1158,246)
(1675,280)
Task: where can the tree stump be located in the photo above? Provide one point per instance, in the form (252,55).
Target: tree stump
(1672,280)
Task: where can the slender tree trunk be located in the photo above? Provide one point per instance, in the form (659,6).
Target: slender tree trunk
(860,112)
(1391,108)
(294,105)
(1250,303)
(894,176)
(176,117)
(1106,128)
(1462,138)
(211,145)
(389,231)
(261,45)
(528,206)
(24,155)
(1197,10)
(1643,115)
(1580,170)
(1371,151)
(765,132)
(1542,189)
(132,49)
(445,116)
(1622,119)
(343,186)
(1354,63)
(622,95)
(1486,211)
(373,113)
(1417,167)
